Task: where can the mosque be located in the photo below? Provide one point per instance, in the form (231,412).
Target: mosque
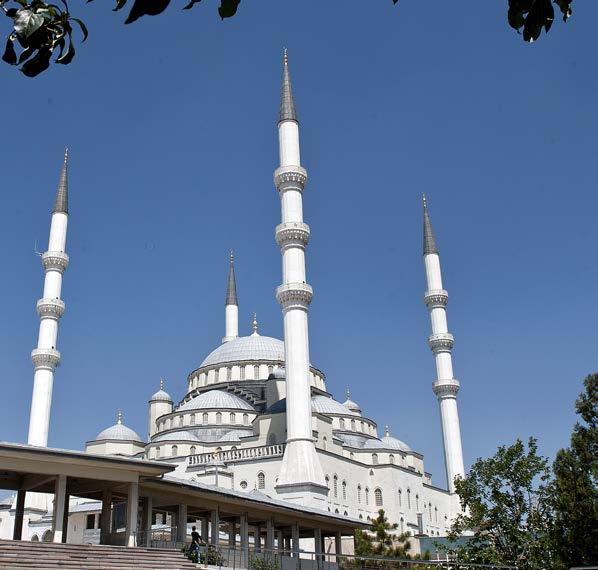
(255,420)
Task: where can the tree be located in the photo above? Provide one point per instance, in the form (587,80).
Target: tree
(42,28)
(505,502)
(575,488)
(382,540)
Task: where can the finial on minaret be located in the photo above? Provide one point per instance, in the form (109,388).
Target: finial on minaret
(254,325)
(161,383)
(119,417)
(386,430)
(61,204)
(231,289)
(287,103)
(429,241)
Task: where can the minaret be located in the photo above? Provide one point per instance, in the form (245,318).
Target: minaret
(49,308)
(441,344)
(231,305)
(301,477)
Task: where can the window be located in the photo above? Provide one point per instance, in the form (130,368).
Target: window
(218,418)
(168,423)
(157,451)
(242,372)
(367,496)
(256,372)
(270,369)
(342,423)
(192,450)
(181,420)
(409,499)
(391,458)
(402,525)
(324,442)
(327,483)
(344,490)
(233,419)
(192,419)
(261,480)
(229,374)
(430,511)
(359,494)
(351,455)
(352,425)
(243,484)
(90,521)
(174,450)
(205,418)
(336,511)
(417,502)
(436,514)
(400,498)
(335,481)
(245,419)
(374,458)
(378,497)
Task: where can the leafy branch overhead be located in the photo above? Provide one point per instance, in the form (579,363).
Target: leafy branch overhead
(41,29)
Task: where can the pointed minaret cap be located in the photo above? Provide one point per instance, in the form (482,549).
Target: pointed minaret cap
(61,204)
(287,103)
(254,326)
(119,417)
(429,241)
(231,289)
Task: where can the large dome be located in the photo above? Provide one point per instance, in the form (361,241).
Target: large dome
(216,399)
(254,347)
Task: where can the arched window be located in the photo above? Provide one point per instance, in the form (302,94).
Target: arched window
(35,538)
(436,514)
(360,517)
(256,372)
(233,448)
(324,442)
(400,498)
(181,420)
(261,480)
(218,418)
(352,425)
(391,458)
(245,419)
(205,418)
(233,418)
(243,484)
(359,494)
(229,374)
(192,419)
(47,536)
(342,423)
(374,458)
(336,511)
(344,490)
(157,451)
(346,513)
(430,511)
(242,372)
(192,450)
(378,497)
(409,499)
(327,478)
(335,482)
(270,369)
(367,496)
(402,521)
(168,423)
(174,450)
(417,502)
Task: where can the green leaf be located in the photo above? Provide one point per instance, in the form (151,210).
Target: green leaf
(68,56)
(228,8)
(26,22)
(10,56)
(191,4)
(119,5)
(38,63)
(146,8)
(83,28)
(26,54)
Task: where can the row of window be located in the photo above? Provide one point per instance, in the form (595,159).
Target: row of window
(174,450)
(169,423)
(246,372)
(261,481)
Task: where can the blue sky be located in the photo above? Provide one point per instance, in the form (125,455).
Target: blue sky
(171,124)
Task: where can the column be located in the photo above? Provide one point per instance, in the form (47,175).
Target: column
(204,530)
(182,523)
(338,543)
(232,534)
(318,547)
(295,539)
(65,517)
(257,538)
(244,531)
(132,511)
(105,517)
(17,533)
(270,534)
(280,541)
(147,517)
(59,500)
(215,527)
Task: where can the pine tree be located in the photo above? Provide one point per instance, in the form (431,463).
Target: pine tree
(382,539)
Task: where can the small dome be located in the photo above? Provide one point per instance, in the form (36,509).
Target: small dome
(325,405)
(387,442)
(254,347)
(161,395)
(216,399)
(353,406)
(118,431)
(182,435)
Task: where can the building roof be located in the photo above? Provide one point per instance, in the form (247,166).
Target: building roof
(254,347)
(216,399)
(119,432)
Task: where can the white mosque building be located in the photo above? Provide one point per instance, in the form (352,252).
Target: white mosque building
(256,416)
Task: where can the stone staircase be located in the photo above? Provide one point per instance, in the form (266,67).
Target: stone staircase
(46,555)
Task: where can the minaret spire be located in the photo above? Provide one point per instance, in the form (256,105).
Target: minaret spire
(301,477)
(254,325)
(49,308)
(231,305)
(441,343)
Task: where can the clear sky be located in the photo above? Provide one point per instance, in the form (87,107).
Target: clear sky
(171,124)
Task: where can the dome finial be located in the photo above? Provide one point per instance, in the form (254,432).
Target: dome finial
(348,393)
(285,56)
(254,325)
(386,430)
(161,383)
(66,154)
(119,417)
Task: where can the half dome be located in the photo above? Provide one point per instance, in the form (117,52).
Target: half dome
(216,399)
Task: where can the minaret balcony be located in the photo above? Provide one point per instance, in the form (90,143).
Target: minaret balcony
(50,308)
(446,388)
(55,260)
(441,342)
(436,298)
(45,358)
(290,178)
(292,234)
(294,295)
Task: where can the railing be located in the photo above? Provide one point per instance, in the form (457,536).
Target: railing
(265,559)
(234,455)
(159,537)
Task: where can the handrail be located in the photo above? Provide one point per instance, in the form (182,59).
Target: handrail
(243,454)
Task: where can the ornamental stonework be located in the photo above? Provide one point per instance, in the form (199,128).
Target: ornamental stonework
(294,295)
(47,358)
(436,298)
(287,177)
(446,388)
(50,308)
(56,260)
(442,342)
(292,233)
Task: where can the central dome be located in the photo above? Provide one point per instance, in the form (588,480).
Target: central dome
(254,347)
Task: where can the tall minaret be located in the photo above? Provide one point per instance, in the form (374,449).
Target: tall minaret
(301,477)
(49,308)
(441,344)
(231,305)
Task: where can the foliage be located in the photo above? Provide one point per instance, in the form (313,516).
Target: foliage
(382,540)
(264,561)
(41,28)
(505,502)
(575,489)
(212,556)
